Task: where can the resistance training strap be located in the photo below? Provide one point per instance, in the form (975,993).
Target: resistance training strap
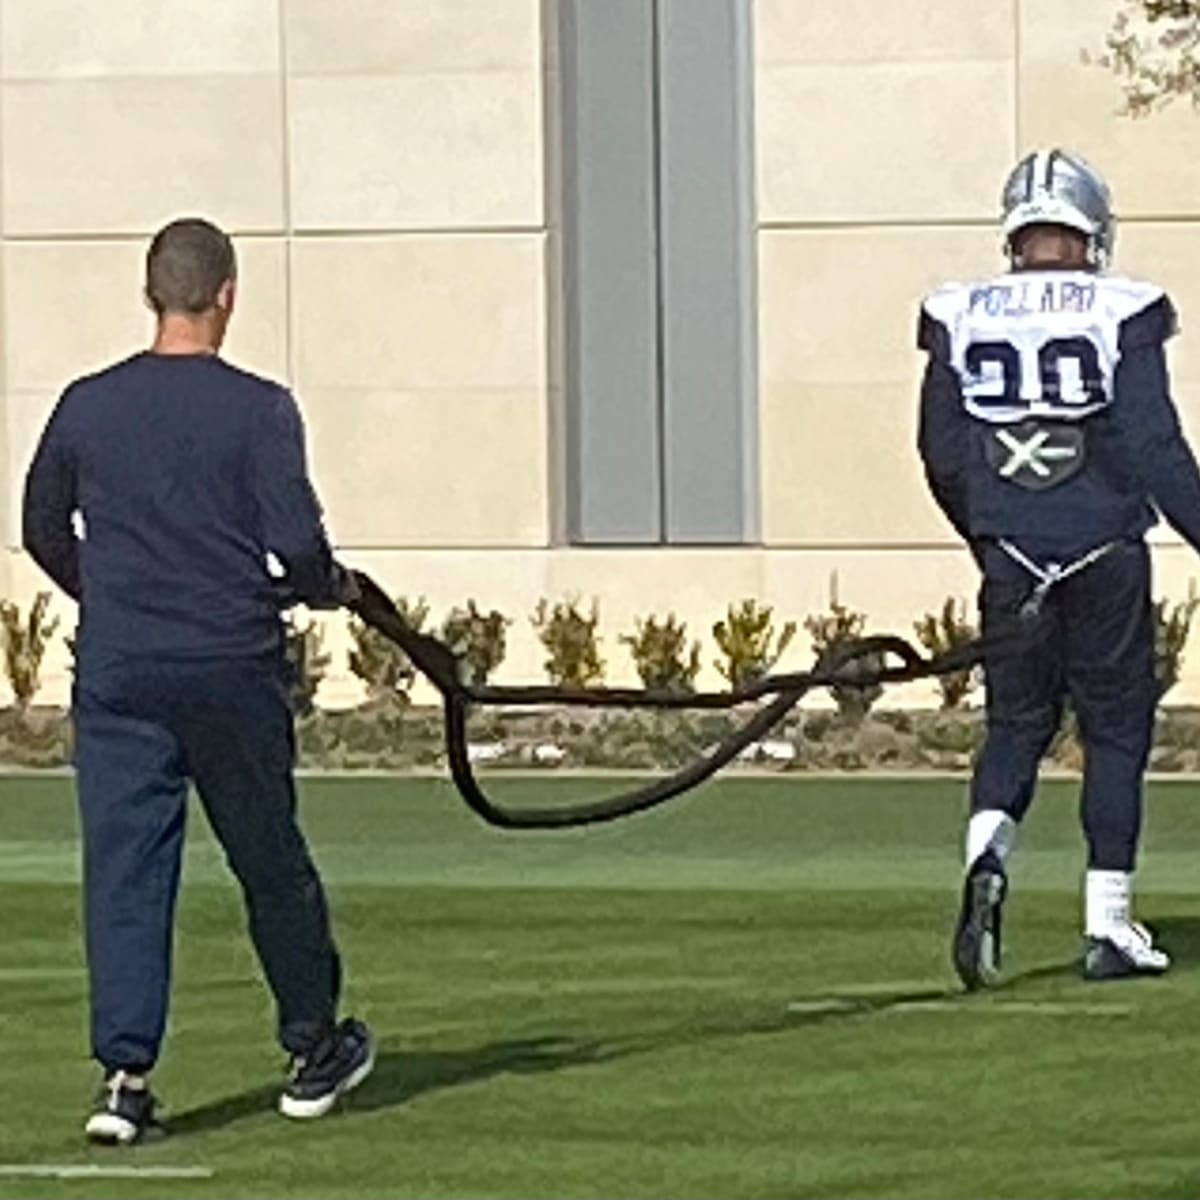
(863,662)
(1052,573)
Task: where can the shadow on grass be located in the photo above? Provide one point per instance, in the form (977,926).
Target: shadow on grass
(225,1111)
(1180,938)
(1059,970)
(402,1076)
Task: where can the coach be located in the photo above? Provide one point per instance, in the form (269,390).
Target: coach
(160,490)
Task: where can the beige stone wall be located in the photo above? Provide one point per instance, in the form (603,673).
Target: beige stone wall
(381,166)
(384,165)
(882,144)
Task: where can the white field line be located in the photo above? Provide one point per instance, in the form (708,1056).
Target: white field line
(87,1171)
(992,1008)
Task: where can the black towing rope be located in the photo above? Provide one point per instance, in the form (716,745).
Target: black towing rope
(863,662)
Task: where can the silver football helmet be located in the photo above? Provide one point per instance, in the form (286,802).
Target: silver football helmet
(1055,187)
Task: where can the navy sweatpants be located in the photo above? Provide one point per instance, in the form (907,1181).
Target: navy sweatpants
(142,731)
(1093,641)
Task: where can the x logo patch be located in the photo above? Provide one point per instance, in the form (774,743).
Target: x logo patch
(1033,452)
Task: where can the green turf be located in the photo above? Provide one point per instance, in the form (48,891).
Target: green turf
(606,1013)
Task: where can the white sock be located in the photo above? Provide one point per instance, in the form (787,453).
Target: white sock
(1107,896)
(991,830)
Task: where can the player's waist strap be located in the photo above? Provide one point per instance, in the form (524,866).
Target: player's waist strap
(1051,573)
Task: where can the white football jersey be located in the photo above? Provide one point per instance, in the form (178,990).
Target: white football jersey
(1038,343)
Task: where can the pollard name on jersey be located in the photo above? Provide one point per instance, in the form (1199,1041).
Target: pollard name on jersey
(1041,343)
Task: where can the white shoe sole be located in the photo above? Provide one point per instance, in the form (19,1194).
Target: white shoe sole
(110,1129)
(306,1110)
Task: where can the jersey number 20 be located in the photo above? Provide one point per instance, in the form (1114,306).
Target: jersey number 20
(1050,356)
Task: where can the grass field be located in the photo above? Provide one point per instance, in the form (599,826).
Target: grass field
(745,995)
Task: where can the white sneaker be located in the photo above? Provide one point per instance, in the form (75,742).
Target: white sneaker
(1124,950)
(125,1112)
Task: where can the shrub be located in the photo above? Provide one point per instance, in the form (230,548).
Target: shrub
(303,646)
(1171,629)
(942,632)
(569,638)
(381,664)
(746,638)
(952,733)
(661,654)
(1153,50)
(479,639)
(25,642)
(830,632)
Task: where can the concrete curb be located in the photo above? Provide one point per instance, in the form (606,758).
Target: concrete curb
(755,773)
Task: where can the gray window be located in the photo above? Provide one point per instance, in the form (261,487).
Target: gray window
(655,270)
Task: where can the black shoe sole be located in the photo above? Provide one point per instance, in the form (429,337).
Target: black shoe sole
(976,952)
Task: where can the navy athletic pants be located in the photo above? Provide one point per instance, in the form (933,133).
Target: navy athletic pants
(142,730)
(1094,642)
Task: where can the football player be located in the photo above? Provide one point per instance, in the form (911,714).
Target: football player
(1049,438)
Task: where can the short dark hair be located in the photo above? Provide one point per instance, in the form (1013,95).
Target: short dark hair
(186,265)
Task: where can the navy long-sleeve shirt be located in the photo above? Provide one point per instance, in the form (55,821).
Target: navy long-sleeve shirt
(1135,458)
(158,491)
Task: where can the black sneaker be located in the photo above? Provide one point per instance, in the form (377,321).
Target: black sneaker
(977,936)
(124,1112)
(336,1065)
